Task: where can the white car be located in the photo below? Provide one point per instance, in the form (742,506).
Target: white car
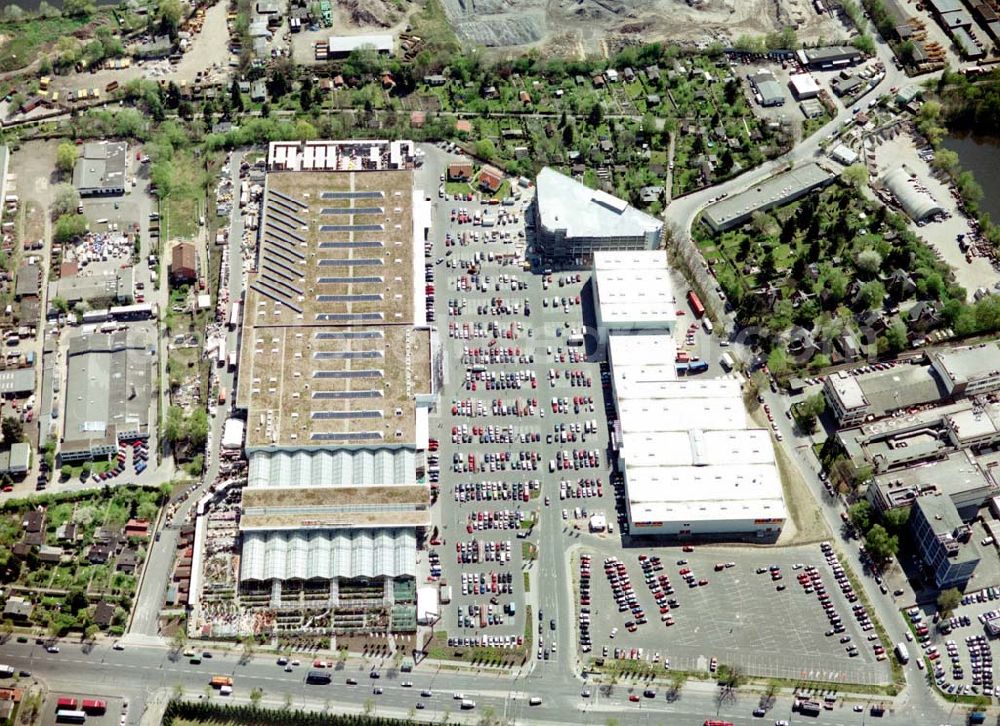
(118,645)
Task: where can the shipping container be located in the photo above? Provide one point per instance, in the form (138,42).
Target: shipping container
(66,703)
(70,716)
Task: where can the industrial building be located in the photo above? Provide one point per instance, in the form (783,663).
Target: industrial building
(918,205)
(102,169)
(573,221)
(335,382)
(828,58)
(944,541)
(774,192)
(341,46)
(968,371)
(693,466)
(99,289)
(855,398)
(803,86)
(108,385)
(957,476)
(633,292)
(768,89)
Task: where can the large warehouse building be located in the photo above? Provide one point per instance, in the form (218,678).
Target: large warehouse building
(335,383)
(693,465)
(108,384)
(917,203)
(633,292)
(765,196)
(574,221)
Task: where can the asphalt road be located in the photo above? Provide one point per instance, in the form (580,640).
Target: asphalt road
(141,673)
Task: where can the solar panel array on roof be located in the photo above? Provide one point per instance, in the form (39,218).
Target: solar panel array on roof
(350,262)
(351,227)
(337,395)
(347,354)
(359,297)
(345,436)
(350,335)
(350,245)
(291,200)
(276,298)
(373,279)
(345,317)
(284,215)
(352,210)
(352,195)
(346,414)
(273,261)
(348,374)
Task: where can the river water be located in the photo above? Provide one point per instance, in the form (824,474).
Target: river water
(981,156)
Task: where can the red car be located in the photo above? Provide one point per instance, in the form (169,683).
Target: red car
(633,698)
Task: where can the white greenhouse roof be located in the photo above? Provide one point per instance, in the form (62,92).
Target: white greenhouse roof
(308,468)
(327,554)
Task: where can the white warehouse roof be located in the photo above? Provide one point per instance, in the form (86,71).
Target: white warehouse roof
(632,351)
(566,204)
(691,493)
(696,447)
(682,414)
(634,287)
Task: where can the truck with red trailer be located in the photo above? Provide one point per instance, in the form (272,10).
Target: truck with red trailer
(695,302)
(66,703)
(94,705)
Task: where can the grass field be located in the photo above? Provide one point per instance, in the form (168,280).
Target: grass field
(21,42)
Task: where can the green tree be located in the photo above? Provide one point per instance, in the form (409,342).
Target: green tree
(235,96)
(860,514)
(12,429)
(60,304)
(66,155)
(881,545)
(896,520)
(948,600)
(896,336)
(855,176)
(70,227)
(485,149)
(66,200)
(596,115)
(170,13)
(872,294)
(868,262)
(864,43)
(256,695)
(78,8)
(66,471)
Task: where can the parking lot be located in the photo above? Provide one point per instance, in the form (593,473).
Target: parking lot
(522,423)
(733,606)
(957,651)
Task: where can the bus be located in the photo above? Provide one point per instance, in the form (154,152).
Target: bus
(695,302)
(67,716)
(901,653)
(234,316)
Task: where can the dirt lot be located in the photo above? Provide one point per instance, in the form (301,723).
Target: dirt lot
(579,27)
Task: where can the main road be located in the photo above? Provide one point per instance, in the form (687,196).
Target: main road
(145,673)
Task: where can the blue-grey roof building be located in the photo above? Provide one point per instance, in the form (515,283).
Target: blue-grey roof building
(943,540)
(574,221)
